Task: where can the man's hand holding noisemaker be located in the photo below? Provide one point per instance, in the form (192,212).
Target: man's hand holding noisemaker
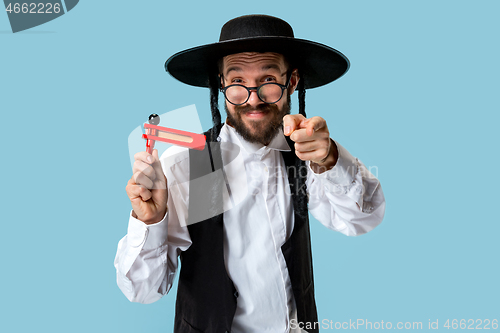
(147,188)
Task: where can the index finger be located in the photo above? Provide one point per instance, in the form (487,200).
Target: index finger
(314,124)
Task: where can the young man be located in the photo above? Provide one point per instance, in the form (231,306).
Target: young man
(246,268)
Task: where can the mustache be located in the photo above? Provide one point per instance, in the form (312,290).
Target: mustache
(241,109)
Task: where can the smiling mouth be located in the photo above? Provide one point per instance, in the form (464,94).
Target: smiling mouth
(255,113)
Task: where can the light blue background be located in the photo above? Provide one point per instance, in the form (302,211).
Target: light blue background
(420,103)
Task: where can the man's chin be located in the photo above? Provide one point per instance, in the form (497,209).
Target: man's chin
(262,134)
(255,125)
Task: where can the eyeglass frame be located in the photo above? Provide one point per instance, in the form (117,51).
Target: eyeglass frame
(249,89)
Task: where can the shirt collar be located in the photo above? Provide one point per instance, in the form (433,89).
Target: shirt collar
(279,142)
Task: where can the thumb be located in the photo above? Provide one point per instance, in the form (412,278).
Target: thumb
(290,123)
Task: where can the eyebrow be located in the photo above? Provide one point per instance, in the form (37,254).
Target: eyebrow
(263,68)
(233,68)
(271,66)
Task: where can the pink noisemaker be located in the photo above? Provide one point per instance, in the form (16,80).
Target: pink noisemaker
(170,135)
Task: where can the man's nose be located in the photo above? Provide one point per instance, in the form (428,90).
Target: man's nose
(254,97)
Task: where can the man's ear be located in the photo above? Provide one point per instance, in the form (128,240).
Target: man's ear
(294,81)
(221,81)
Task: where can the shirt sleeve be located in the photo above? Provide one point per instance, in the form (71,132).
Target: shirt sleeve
(347,198)
(147,257)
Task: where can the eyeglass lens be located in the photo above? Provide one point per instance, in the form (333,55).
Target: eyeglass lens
(268,93)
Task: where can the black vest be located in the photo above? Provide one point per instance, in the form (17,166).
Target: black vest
(206,296)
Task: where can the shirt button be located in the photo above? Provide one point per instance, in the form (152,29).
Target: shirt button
(265,169)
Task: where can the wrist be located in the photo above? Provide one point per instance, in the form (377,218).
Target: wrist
(150,219)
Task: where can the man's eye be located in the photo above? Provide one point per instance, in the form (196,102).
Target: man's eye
(236,80)
(269,79)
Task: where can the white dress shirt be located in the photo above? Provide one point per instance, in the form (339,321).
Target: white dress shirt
(258,219)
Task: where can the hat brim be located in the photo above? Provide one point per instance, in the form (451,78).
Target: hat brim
(319,64)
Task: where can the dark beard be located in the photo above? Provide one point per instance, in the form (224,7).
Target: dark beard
(263,131)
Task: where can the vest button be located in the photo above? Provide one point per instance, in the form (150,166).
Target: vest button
(236,294)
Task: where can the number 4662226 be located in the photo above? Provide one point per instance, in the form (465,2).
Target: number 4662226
(471,324)
(34,8)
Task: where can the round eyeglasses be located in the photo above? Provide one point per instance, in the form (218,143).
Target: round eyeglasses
(269,93)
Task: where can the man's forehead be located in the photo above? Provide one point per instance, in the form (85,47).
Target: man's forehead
(262,61)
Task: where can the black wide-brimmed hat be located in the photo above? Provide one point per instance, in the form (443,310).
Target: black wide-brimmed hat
(318,64)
